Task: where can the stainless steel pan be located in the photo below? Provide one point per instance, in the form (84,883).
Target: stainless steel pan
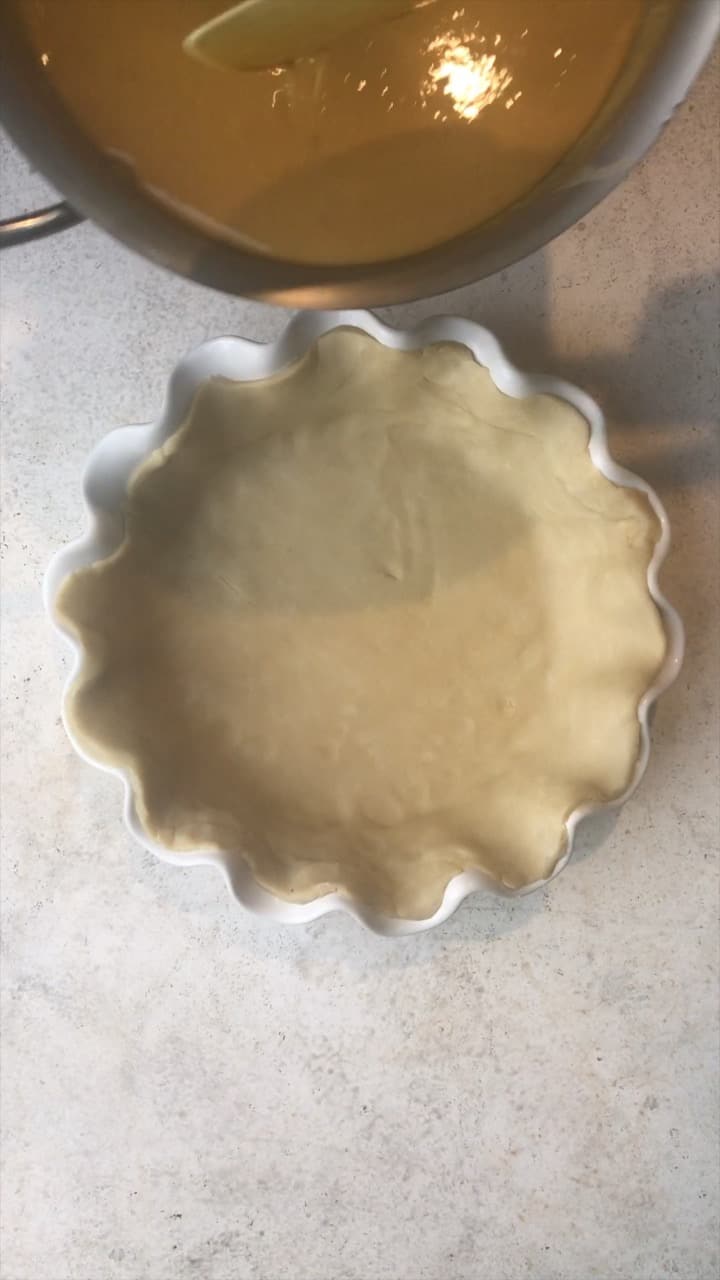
(676,38)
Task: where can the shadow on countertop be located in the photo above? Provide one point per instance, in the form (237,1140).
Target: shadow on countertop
(661,396)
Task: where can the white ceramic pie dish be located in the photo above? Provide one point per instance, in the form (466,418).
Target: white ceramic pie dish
(116,457)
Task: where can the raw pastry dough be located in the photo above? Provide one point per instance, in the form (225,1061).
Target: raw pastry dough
(373,622)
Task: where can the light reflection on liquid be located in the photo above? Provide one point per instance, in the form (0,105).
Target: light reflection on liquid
(473,82)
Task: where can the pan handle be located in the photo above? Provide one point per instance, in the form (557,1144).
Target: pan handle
(39,223)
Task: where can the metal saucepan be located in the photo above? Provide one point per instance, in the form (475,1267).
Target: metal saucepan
(676,38)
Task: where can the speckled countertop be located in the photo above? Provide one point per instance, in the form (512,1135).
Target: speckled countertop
(529,1091)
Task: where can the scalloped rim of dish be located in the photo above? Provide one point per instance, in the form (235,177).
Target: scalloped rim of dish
(116,457)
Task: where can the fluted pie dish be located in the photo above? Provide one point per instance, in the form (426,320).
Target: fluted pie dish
(368,619)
